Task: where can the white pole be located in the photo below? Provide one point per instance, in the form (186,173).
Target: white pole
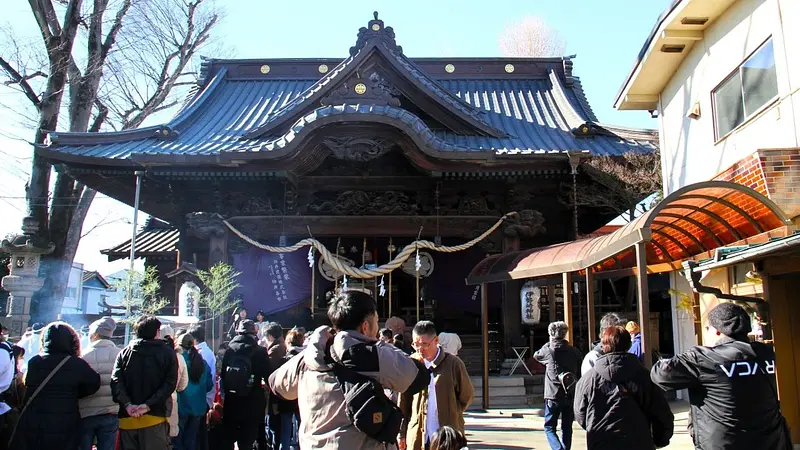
(139,175)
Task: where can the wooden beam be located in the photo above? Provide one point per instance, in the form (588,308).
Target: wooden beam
(336,226)
(590,306)
(780,293)
(567,283)
(643,301)
(642,98)
(683,35)
(485,339)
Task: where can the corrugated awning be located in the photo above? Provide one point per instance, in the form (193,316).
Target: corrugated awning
(695,219)
(149,242)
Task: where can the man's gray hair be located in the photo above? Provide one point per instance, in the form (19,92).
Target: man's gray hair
(557,330)
(610,320)
(424,328)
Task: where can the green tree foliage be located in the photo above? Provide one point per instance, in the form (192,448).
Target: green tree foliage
(141,292)
(219,283)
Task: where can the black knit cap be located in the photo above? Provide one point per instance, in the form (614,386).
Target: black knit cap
(730,319)
(246,326)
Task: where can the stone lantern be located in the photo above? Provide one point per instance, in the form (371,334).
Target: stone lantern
(26,251)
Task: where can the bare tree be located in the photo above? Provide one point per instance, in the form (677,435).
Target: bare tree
(620,183)
(118,61)
(531,37)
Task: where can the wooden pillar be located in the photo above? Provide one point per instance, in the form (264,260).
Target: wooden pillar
(511,316)
(567,277)
(643,298)
(485,340)
(590,327)
(784,312)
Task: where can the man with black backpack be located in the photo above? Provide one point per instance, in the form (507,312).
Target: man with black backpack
(245,369)
(339,379)
(562,362)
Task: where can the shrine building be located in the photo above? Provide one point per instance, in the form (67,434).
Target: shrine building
(366,154)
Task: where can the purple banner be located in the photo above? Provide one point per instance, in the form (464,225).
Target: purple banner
(448,286)
(272,282)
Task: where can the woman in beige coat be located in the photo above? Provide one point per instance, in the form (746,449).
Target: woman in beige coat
(168,334)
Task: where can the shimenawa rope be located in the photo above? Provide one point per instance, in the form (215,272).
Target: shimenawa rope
(356,272)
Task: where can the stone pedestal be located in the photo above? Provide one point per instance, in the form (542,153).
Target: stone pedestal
(26,250)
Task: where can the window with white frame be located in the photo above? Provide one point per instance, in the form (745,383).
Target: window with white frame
(751,86)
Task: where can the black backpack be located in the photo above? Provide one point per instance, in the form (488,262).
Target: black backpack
(238,376)
(368,408)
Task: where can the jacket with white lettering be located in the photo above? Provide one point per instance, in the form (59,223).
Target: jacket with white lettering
(732,391)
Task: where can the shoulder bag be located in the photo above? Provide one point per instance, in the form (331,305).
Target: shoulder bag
(35,393)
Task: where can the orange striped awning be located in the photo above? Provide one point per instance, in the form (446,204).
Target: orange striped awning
(693,220)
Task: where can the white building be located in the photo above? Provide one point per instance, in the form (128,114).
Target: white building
(72,297)
(723,77)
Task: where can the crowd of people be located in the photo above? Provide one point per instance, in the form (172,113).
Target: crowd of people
(620,404)
(355,386)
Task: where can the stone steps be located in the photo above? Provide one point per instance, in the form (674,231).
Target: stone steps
(510,391)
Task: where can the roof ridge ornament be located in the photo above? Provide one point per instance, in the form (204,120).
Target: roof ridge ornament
(375,30)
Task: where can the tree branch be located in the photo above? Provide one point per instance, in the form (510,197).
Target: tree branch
(22,81)
(111,38)
(38,10)
(100,118)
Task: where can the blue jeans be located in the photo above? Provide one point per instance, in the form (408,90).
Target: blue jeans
(104,427)
(280,430)
(187,436)
(552,410)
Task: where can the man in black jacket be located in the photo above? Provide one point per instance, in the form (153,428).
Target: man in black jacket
(245,371)
(562,361)
(731,385)
(145,375)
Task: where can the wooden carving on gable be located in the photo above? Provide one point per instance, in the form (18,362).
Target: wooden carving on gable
(372,90)
(363,203)
(352,148)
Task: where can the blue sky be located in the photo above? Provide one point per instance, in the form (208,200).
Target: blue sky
(606,35)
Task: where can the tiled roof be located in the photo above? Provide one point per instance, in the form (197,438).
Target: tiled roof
(149,242)
(538,115)
(89,274)
(538,108)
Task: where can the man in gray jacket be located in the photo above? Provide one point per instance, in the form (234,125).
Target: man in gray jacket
(609,320)
(309,379)
(99,411)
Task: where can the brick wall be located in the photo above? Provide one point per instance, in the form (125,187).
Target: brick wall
(748,171)
(773,172)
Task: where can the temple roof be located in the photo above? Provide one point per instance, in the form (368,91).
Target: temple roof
(456,108)
(156,239)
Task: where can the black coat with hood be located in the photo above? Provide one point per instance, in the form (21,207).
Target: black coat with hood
(620,408)
(732,393)
(558,357)
(145,373)
(52,419)
(250,406)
